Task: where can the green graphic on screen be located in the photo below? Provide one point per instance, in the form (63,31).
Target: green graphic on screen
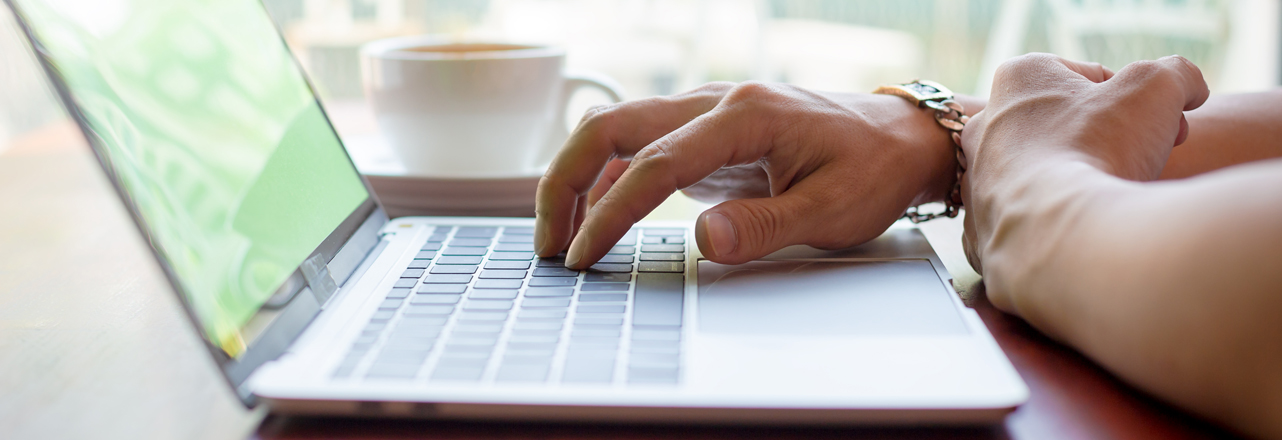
(211,129)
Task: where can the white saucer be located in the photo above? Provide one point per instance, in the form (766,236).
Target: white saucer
(404,195)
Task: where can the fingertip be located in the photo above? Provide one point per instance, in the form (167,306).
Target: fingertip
(719,235)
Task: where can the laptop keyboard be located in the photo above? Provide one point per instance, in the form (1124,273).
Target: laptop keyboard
(476,305)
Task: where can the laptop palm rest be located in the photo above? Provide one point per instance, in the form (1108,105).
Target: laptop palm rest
(831,298)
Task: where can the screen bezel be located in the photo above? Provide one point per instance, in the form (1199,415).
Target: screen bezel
(342,250)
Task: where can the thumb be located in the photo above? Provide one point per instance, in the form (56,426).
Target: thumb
(743,230)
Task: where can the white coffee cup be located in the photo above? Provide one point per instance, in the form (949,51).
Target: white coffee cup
(472,110)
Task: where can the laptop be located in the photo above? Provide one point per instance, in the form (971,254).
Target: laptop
(313,301)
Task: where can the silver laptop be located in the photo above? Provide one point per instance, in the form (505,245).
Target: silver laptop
(312,301)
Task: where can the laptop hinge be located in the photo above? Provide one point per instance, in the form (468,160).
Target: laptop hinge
(316,272)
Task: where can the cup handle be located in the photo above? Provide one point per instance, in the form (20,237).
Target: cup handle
(575,80)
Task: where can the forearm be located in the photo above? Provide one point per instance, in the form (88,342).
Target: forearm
(1173,286)
(1229,130)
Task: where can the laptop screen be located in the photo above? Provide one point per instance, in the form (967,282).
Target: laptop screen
(209,127)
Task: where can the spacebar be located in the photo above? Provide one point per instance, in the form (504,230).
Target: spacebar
(658,299)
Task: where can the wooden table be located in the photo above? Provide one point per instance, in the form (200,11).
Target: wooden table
(95,346)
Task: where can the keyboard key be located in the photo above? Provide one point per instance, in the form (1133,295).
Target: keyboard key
(674,240)
(656,334)
(543,314)
(405,283)
(421,321)
(611,268)
(616,259)
(428,310)
(535,348)
(420,264)
(629,239)
(588,371)
(461,374)
(658,299)
(471,242)
(514,256)
(454,269)
(536,325)
(391,304)
(653,360)
(422,333)
(518,231)
(498,284)
(549,292)
(475,316)
(603,297)
(522,373)
(435,299)
(483,327)
(665,232)
(661,266)
(669,248)
(398,293)
(478,360)
(431,246)
(476,232)
(448,279)
(513,238)
(412,273)
(595,333)
(593,348)
(600,309)
(382,316)
(659,349)
(553,282)
(375,327)
(607,277)
(652,240)
(514,247)
(530,303)
(662,257)
(545,338)
(492,294)
(459,259)
(473,251)
(442,230)
(557,261)
(652,375)
(392,371)
(604,287)
(425,255)
(508,265)
(527,358)
(488,305)
(593,320)
(629,250)
(416,344)
(438,237)
(429,289)
(471,341)
(489,274)
(555,272)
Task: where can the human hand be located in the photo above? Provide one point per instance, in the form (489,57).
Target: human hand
(1047,113)
(798,167)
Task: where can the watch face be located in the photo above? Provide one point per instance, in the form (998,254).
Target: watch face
(922,89)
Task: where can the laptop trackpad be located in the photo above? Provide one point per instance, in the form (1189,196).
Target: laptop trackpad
(892,297)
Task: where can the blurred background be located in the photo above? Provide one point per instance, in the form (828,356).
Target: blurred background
(658,47)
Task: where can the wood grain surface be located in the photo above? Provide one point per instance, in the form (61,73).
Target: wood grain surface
(95,346)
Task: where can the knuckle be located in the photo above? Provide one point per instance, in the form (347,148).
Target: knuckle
(597,116)
(716,87)
(751,91)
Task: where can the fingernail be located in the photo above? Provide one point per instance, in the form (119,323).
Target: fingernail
(721,234)
(575,253)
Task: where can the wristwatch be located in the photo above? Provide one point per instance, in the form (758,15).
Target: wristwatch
(949,114)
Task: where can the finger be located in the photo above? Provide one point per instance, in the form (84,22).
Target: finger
(743,230)
(1095,72)
(613,171)
(1174,76)
(731,134)
(605,133)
